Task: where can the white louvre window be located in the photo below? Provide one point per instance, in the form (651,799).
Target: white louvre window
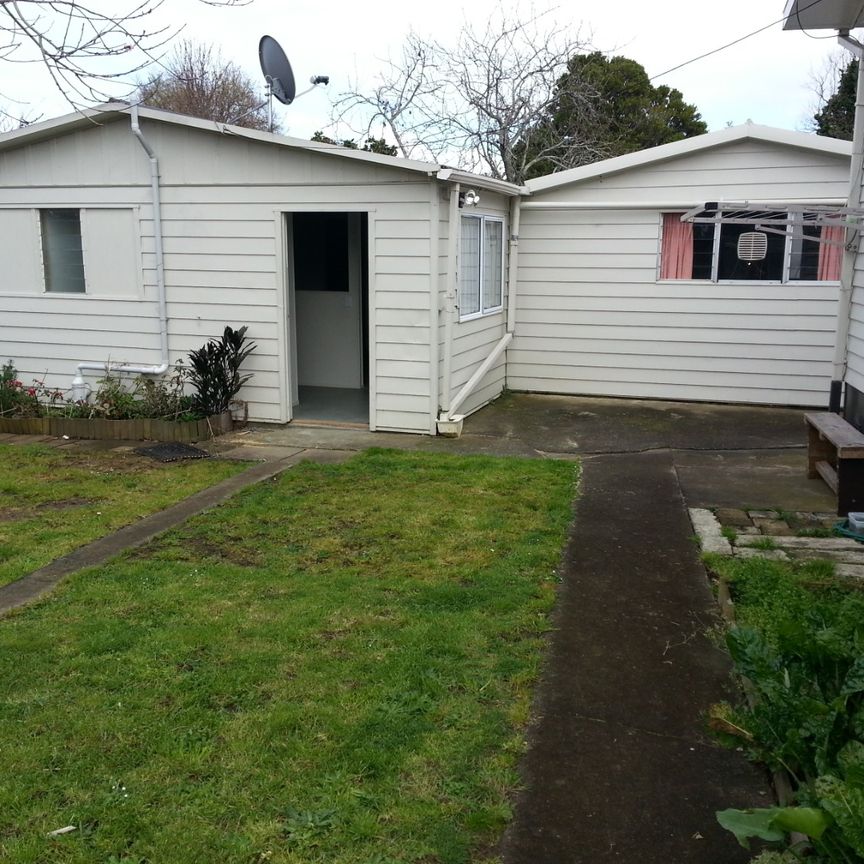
(62,253)
(481,266)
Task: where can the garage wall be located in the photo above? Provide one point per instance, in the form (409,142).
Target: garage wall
(593,317)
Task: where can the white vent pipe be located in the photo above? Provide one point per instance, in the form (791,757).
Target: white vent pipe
(80,389)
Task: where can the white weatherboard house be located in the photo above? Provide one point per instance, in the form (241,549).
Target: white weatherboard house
(394,291)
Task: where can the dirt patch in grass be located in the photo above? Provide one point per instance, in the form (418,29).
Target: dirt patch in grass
(57,500)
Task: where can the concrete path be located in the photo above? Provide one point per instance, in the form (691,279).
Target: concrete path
(620,767)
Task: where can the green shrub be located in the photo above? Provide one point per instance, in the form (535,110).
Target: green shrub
(215,370)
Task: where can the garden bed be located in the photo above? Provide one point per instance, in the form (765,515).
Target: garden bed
(139,429)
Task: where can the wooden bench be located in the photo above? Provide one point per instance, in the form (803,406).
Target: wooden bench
(835,453)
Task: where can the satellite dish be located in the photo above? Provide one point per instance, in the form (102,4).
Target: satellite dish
(277,70)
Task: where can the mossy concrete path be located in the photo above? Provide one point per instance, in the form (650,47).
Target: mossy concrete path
(620,766)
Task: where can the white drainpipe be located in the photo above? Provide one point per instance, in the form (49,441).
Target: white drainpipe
(512,281)
(847,272)
(449,304)
(80,389)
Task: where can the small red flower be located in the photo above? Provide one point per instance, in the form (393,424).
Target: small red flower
(31,391)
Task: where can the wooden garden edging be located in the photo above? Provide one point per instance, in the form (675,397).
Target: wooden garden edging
(119,430)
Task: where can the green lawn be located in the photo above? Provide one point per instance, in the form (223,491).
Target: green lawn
(52,501)
(333,667)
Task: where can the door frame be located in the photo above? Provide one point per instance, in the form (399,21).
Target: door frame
(287,306)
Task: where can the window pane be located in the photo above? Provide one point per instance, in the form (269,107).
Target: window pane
(703,250)
(61,251)
(469,267)
(804,262)
(730,267)
(492,264)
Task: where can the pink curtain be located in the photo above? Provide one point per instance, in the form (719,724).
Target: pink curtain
(676,252)
(831,257)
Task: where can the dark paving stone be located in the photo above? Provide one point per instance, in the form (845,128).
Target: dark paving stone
(617,767)
(734,517)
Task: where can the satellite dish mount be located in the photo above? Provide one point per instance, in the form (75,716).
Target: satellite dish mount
(279,77)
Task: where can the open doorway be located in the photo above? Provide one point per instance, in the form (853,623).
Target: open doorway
(328,272)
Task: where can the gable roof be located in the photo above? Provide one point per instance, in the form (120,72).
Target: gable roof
(113,111)
(686,146)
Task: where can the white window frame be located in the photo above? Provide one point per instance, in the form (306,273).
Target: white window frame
(715,261)
(484,311)
(42,252)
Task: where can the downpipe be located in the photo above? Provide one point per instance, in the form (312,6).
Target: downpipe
(844,305)
(450,422)
(80,388)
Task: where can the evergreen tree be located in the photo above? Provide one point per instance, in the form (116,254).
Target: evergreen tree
(629,113)
(836,118)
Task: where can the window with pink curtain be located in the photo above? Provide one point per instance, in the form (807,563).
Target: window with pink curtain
(676,251)
(831,257)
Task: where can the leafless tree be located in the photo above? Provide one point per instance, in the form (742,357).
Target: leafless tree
(196,81)
(90,48)
(478,102)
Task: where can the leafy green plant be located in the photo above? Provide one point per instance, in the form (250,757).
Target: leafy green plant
(214,370)
(20,400)
(803,656)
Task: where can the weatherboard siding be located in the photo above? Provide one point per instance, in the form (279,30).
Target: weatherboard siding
(222,200)
(474,339)
(593,318)
(748,170)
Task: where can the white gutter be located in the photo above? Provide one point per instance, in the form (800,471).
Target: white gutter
(450,416)
(79,388)
(649,205)
(847,271)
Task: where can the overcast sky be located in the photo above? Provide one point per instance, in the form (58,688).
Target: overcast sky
(765,79)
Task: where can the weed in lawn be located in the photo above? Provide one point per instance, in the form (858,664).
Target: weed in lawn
(765,543)
(356,690)
(729,533)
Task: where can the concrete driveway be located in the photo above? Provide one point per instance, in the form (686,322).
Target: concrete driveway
(724,455)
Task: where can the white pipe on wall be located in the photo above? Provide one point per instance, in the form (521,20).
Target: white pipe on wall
(512,282)
(847,271)
(449,303)
(80,389)
(513,263)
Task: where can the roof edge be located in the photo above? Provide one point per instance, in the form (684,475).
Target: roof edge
(803,140)
(112,111)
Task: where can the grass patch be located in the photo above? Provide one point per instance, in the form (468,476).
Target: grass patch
(53,501)
(333,667)
(768,594)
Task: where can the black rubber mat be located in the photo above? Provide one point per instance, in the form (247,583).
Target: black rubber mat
(172,452)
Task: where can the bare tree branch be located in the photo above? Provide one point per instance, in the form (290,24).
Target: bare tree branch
(476,103)
(198,82)
(77,41)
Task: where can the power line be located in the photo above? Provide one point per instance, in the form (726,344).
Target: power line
(741,39)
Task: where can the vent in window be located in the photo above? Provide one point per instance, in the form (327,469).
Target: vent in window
(752,246)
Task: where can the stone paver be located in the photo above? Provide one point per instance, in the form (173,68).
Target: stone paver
(709,532)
